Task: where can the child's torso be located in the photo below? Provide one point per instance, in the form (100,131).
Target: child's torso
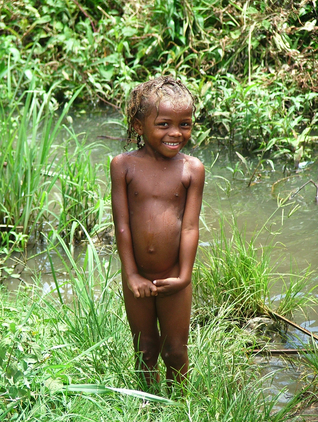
(156,199)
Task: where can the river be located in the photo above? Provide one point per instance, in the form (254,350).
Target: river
(226,195)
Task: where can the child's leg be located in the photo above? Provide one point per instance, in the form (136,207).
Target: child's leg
(142,318)
(174,318)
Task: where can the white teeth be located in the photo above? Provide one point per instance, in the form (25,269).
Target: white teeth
(172,144)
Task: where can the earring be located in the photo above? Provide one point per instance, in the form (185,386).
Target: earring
(140,144)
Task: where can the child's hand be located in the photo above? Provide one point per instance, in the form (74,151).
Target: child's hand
(141,287)
(169,286)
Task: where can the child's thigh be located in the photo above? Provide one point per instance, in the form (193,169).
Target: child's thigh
(174,316)
(141,314)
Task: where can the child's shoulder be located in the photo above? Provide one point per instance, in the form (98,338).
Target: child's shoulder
(193,163)
(123,158)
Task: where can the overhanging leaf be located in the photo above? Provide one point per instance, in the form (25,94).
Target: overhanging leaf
(100,389)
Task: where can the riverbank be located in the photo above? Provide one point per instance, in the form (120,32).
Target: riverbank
(251,65)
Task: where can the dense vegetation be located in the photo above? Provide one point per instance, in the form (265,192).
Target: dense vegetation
(251,64)
(70,357)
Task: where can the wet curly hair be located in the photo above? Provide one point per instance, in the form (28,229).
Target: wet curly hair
(145,95)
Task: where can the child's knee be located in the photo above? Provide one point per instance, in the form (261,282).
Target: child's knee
(175,357)
(148,350)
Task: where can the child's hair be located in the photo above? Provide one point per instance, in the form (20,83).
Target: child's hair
(145,95)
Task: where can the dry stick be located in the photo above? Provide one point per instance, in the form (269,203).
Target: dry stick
(293,324)
(86,14)
(256,168)
(105,101)
(301,187)
(281,180)
(276,352)
(10,226)
(116,138)
(286,351)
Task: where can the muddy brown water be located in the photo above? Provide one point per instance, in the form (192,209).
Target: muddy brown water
(226,196)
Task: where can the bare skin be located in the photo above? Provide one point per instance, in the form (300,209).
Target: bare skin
(156,200)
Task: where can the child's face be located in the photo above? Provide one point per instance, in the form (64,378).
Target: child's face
(167,130)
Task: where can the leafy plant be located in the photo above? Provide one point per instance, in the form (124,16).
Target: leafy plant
(256,119)
(10,242)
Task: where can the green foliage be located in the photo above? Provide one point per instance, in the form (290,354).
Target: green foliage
(27,135)
(20,355)
(10,242)
(252,64)
(30,173)
(60,358)
(25,370)
(236,272)
(254,118)
(83,200)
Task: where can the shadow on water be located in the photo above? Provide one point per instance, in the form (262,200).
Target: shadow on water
(225,196)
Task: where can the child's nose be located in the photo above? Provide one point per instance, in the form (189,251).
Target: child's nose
(175,132)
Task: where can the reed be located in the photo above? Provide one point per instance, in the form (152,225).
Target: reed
(238,271)
(36,185)
(83,190)
(27,135)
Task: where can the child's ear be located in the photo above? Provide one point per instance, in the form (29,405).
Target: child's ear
(138,126)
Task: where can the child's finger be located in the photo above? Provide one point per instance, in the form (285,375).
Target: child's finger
(154,290)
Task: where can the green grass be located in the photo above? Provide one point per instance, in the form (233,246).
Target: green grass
(27,135)
(232,271)
(44,180)
(83,190)
(238,271)
(73,360)
(41,356)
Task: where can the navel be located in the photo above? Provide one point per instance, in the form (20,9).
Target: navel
(136,193)
(176,194)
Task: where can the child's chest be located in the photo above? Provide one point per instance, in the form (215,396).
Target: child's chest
(158,182)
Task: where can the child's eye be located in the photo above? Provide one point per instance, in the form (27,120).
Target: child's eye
(164,124)
(186,124)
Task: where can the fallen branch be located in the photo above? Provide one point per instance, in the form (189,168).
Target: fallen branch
(302,186)
(293,324)
(280,181)
(276,352)
(116,138)
(10,226)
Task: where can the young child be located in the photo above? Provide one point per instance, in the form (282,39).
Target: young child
(156,202)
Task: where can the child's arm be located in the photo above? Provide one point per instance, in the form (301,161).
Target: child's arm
(139,286)
(189,233)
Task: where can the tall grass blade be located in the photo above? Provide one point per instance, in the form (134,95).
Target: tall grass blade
(98,389)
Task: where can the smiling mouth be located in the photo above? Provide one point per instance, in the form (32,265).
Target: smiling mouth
(172,144)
